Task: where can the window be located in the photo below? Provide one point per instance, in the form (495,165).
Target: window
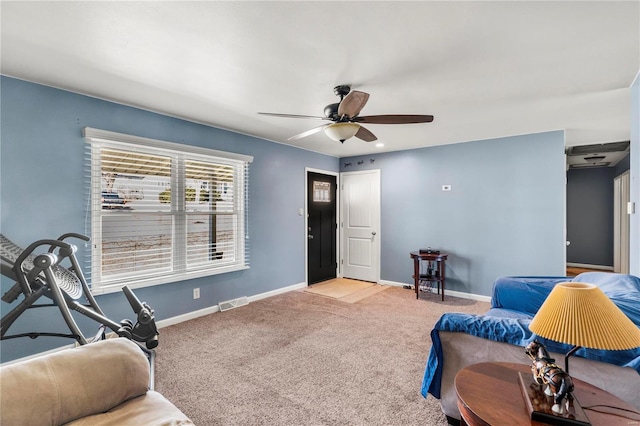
(163,212)
(321,192)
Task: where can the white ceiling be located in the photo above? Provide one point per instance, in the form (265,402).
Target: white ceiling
(483,69)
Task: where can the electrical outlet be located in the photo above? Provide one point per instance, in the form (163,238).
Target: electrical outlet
(196,293)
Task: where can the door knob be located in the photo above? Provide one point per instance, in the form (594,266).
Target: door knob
(373,233)
(310,237)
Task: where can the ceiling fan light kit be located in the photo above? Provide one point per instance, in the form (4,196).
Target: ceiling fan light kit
(342,131)
(344,115)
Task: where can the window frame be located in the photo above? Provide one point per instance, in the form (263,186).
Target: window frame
(98,140)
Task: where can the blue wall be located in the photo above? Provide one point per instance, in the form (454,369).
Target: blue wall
(623,165)
(503,216)
(590,216)
(42,196)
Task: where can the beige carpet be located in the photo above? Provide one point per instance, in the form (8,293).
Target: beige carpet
(305,359)
(346,290)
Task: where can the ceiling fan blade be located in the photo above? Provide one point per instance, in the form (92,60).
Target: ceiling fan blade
(275,114)
(309,132)
(353,103)
(394,119)
(365,135)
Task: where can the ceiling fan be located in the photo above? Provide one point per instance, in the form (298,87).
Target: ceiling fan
(345,121)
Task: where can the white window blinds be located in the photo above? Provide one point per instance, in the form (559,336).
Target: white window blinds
(163,212)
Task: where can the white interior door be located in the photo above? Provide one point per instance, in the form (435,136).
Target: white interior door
(360,222)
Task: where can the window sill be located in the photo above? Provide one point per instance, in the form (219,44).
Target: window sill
(115,287)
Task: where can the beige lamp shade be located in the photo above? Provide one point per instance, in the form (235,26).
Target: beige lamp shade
(581,314)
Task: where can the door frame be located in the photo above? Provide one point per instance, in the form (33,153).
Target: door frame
(621,232)
(378,225)
(308,170)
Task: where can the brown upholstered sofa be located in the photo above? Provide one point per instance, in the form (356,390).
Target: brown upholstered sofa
(103,383)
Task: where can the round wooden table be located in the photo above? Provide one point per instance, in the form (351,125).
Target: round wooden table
(489,394)
(439,259)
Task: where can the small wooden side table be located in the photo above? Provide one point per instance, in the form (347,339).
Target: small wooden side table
(489,394)
(438,278)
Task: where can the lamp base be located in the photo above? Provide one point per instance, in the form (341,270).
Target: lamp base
(539,405)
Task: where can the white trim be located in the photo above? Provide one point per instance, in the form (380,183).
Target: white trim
(278,291)
(213,309)
(97,135)
(470,296)
(188,316)
(588,266)
(565,232)
(178,154)
(115,287)
(459,294)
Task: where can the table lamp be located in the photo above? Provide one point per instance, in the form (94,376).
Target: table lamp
(581,315)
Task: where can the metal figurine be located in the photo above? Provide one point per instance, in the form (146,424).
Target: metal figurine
(546,372)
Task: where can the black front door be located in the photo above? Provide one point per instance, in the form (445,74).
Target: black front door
(321,234)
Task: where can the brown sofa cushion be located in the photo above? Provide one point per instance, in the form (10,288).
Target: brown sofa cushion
(73,383)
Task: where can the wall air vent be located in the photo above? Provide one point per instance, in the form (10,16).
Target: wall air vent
(230,304)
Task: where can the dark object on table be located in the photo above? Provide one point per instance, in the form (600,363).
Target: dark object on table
(429,250)
(548,387)
(539,405)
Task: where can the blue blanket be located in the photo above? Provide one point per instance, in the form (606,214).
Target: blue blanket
(508,330)
(526,294)
(514,302)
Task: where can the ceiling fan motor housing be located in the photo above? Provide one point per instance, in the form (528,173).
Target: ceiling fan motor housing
(331,111)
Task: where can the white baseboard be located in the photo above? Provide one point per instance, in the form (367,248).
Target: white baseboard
(213,309)
(460,294)
(188,316)
(393,283)
(587,266)
(278,291)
